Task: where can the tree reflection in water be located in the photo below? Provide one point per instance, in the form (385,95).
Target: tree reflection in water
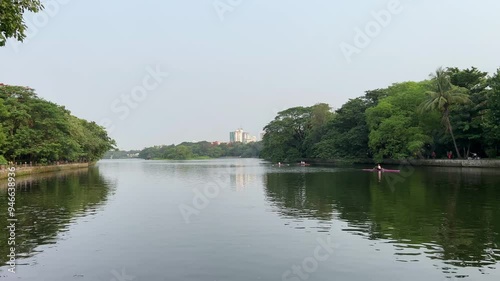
(448,214)
(47,204)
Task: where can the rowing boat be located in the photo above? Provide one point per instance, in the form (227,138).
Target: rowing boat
(383,170)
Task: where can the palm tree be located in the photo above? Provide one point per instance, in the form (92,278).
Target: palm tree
(444,96)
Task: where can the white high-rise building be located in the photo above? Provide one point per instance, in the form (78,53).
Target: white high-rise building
(236,136)
(241,136)
(245,137)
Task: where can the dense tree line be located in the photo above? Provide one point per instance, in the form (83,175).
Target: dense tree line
(35,130)
(200,150)
(456,110)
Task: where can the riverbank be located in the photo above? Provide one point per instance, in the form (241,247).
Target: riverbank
(481,163)
(26,181)
(23,170)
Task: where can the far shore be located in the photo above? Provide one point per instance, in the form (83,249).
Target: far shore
(469,163)
(200,158)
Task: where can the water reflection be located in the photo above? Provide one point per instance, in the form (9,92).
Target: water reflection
(237,174)
(446,214)
(241,178)
(48,203)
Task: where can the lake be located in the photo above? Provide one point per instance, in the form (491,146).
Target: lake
(245,219)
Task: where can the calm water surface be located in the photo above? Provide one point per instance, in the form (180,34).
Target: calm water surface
(243,219)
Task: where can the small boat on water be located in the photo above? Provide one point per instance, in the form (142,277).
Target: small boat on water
(382,170)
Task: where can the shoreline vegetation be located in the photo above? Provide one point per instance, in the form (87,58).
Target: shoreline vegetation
(195,151)
(450,120)
(453,115)
(33,130)
(453,119)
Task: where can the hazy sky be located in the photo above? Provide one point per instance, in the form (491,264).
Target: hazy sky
(239,64)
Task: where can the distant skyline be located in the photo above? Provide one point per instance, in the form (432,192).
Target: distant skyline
(163,72)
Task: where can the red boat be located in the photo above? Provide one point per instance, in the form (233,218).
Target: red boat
(383,170)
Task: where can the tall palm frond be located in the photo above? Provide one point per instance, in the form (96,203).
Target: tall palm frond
(444,96)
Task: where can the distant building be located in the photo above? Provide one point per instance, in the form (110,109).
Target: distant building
(245,137)
(236,136)
(241,136)
(248,138)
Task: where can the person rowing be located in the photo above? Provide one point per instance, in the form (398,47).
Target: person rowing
(379,168)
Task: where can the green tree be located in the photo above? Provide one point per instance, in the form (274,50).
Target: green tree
(285,135)
(395,127)
(11,18)
(182,152)
(321,115)
(96,142)
(252,150)
(38,130)
(202,149)
(491,121)
(215,152)
(346,134)
(3,114)
(372,97)
(467,118)
(442,97)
